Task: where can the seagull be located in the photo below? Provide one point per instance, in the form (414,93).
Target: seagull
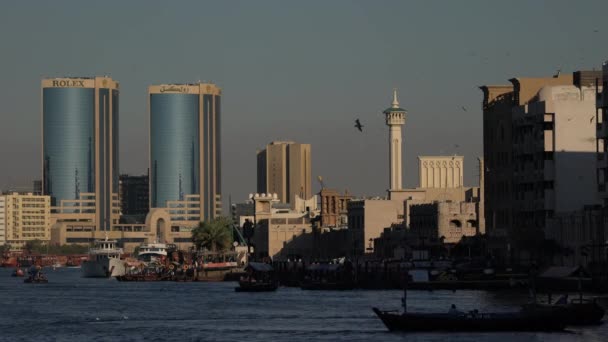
(359,125)
(557,74)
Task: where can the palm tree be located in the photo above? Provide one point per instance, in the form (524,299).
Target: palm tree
(213,235)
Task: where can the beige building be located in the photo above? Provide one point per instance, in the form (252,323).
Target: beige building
(445,221)
(24,217)
(441,172)
(601,120)
(284,168)
(2,220)
(420,215)
(368,218)
(283,233)
(334,211)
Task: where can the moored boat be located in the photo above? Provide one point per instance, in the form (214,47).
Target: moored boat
(259,277)
(328,277)
(153,252)
(104,260)
(17,273)
(576,312)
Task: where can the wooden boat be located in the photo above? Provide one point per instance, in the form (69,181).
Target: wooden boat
(332,277)
(515,321)
(18,273)
(523,320)
(259,277)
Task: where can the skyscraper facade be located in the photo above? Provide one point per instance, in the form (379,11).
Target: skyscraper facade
(80,147)
(284,168)
(185,162)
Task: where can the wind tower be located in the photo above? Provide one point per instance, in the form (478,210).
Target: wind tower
(395,118)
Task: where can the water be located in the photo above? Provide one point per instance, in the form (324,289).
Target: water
(71,308)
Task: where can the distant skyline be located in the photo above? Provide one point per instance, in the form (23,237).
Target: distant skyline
(300,71)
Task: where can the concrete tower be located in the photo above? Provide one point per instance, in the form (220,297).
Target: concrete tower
(395,118)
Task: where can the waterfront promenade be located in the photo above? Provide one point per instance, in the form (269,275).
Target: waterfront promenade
(71,308)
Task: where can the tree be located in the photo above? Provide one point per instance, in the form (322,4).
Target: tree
(33,246)
(213,235)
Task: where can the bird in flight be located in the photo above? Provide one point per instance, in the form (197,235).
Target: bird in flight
(464,108)
(359,125)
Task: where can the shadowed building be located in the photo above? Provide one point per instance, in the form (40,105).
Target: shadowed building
(80,149)
(134,198)
(185,162)
(284,168)
(540,150)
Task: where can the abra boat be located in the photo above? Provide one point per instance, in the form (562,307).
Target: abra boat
(104,260)
(513,321)
(332,277)
(35,276)
(259,277)
(215,266)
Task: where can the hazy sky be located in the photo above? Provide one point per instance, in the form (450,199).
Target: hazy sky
(301,70)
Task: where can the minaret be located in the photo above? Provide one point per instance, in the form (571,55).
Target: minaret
(395,118)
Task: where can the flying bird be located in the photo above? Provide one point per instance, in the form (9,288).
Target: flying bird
(358,125)
(464,108)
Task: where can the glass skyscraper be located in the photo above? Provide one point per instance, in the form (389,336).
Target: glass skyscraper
(80,146)
(185,146)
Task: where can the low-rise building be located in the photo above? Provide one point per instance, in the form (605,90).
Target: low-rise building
(334,210)
(281,232)
(24,217)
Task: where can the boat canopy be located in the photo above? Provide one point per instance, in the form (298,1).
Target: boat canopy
(324,267)
(259,267)
(556,272)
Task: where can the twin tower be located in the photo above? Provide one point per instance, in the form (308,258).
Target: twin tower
(80,147)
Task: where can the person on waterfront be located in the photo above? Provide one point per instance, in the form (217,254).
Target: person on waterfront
(454,311)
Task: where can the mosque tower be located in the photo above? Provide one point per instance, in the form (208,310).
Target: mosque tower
(395,118)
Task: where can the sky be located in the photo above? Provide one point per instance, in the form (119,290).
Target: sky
(293,70)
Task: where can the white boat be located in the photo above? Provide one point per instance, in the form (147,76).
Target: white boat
(104,260)
(152,252)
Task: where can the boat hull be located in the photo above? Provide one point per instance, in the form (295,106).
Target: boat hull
(257,287)
(104,268)
(482,322)
(586,313)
